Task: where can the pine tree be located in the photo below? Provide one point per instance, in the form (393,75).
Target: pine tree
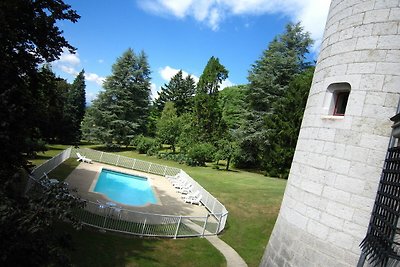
(119,113)
(207,112)
(284,125)
(74,110)
(269,79)
(180,91)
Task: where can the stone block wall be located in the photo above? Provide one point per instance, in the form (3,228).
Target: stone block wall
(338,160)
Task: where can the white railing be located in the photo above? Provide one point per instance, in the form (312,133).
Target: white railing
(140,223)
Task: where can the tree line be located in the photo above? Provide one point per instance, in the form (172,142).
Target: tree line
(253,125)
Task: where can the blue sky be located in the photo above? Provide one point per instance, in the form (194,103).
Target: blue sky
(180,34)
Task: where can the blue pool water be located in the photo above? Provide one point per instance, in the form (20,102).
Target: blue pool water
(125,188)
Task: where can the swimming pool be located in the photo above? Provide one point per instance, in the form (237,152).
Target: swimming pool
(125,188)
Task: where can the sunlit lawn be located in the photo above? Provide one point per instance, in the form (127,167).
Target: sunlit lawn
(252,200)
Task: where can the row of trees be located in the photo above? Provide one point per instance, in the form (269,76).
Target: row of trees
(34,106)
(62,107)
(255,125)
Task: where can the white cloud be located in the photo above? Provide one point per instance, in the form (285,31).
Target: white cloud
(312,13)
(225,84)
(69,58)
(154,91)
(90,96)
(68,69)
(93,77)
(70,63)
(168,72)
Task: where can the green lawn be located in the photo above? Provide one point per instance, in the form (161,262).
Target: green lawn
(252,200)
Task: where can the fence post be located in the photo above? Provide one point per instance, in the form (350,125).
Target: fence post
(205,224)
(116,164)
(212,210)
(101,156)
(148,170)
(177,227)
(134,163)
(219,223)
(165,169)
(144,225)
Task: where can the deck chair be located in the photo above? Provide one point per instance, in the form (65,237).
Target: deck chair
(173,177)
(195,200)
(185,189)
(83,158)
(191,195)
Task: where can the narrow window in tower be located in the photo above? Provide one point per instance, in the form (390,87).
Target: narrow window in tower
(340,103)
(336,98)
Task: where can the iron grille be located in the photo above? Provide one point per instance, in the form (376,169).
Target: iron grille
(381,245)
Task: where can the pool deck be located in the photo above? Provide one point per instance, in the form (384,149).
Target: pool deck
(85,175)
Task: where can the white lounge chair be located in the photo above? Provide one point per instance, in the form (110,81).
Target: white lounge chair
(191,195)
(179,182)
(195,200)
(182,185)
(173,177)
(83,158)
(185,189)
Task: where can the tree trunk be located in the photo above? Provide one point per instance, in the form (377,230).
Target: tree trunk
(228,160)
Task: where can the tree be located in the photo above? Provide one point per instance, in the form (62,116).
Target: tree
(269,79)
(207,112)
(226,149)
(119,113)
(168,126)
(49,103)
(271,74)
(180,91)
(74,110)
(213,75)
(233,105)
(284,125)
(28,37)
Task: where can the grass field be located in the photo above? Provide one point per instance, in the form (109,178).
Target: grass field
(252,200)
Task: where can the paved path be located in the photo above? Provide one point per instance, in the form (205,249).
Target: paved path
(233,259)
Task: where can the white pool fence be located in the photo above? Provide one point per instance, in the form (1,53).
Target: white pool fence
(140,223)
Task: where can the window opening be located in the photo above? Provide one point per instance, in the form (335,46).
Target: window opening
(341,103)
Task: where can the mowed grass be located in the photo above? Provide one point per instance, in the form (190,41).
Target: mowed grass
(92,248)
(253,202)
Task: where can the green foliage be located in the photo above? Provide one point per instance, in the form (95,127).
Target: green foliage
(120,112)
(200,153)
(49,102)
(180,91)
(226,149)
(207,112)
(213,75)
(271,74)
(169,126)
(29,37)
(270,78)
(284,125)
(144,144)
(74,110)
(233,105)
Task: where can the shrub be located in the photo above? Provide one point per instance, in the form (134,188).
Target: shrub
(144,144)
(199,154)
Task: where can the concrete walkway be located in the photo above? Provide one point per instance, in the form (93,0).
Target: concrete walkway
(233,259)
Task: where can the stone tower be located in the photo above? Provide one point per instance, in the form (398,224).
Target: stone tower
(343,138)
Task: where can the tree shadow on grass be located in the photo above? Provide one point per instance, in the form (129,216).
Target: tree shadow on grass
(114,149)
(92,248)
